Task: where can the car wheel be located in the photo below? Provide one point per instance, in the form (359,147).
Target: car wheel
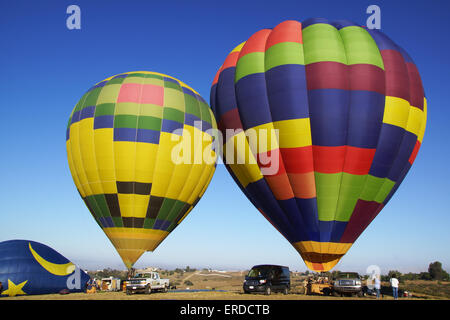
(336,294)
(360,294)
(286,290)
(268,291)
(148,290)
(128,292)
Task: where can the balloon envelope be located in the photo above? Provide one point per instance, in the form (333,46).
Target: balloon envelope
(124,139)
(29,267)
(350,112)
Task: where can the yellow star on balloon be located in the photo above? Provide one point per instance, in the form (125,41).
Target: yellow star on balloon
(14,289)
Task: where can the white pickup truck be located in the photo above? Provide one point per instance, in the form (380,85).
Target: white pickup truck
(147,282)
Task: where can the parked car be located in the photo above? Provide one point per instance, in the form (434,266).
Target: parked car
(267,279)
(146,283)
(347,283)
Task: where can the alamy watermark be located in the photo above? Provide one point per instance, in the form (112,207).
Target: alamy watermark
(251,147)
(373,272)
(73,22)
(374,20)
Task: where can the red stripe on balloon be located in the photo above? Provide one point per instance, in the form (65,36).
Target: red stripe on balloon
(231,60)
(280,186)
(256,43)
(327,75)
(397,79)
(367,77)
(413,156)
(271,162)
(347,159)
(287,31)
(335,75)
(216,77)
(317,266)
(358,160)
(416,87)
(362,216)
(303,185)
(298,160)
(329,159)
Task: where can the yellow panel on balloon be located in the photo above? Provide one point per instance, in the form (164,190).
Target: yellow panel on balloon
(72,168)
(86,134)
(126,203)
(262,138)
(191,182)
(77,161)
(396,111)
(104,153)
(145,161)
(125,159)
(164,165)
(140,205)
(414,120)
(177,181)
(424,122)
(294,133)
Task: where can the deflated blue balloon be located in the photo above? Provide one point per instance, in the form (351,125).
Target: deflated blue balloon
(29,267)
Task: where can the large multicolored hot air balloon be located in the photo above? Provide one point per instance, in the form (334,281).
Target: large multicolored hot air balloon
(350,111)
(140,152)
(29,267)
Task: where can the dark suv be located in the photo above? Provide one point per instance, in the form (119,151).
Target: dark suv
(267,279)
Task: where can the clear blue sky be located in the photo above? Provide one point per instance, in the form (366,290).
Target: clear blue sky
(45,68)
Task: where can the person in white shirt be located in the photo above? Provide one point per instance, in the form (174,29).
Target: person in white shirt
(394,285)
(377,286)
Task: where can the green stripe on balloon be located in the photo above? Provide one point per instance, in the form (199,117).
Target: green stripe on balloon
(322,42)
(249,64)
(350,189)
(327,193)
(360,48)
(284,53)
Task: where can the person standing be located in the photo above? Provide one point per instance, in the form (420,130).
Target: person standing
(305,286)
(377,286)
(394,285)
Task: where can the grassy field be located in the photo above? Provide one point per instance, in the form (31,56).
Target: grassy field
(231,282)
(428,289)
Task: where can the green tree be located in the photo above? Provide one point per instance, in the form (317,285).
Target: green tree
(178,270)
(394,274)
(424,276)
(435,270)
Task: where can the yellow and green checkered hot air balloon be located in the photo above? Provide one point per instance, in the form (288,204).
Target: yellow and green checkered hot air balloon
(140,151)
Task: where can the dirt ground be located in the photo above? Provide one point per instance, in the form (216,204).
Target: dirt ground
(230,282)
(180,296)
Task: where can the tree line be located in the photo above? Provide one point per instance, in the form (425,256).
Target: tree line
(435,272)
